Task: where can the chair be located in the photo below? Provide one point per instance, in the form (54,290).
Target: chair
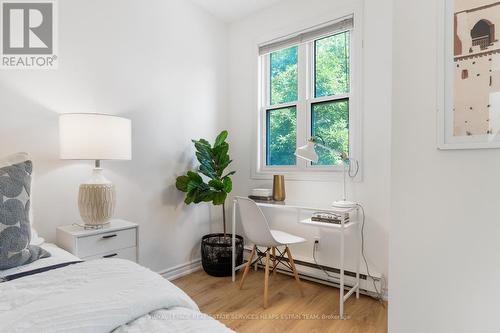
(257,231)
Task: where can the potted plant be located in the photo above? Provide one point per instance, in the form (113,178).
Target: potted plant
(210,183)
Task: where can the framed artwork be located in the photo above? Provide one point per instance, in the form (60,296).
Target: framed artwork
(469,78)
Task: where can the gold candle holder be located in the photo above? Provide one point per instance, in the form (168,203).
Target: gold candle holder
(279,188)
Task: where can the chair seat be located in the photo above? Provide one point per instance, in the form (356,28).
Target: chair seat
(286,238)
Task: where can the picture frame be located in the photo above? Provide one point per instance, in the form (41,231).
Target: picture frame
(468,74)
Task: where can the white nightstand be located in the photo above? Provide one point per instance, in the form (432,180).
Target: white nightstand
(118,239)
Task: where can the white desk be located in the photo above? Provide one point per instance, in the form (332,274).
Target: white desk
(341,228)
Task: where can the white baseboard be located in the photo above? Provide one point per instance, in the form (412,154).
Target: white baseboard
(178,271)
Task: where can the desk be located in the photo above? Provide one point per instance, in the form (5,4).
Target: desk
(341,228)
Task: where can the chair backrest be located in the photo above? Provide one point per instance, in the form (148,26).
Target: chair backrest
(255,223)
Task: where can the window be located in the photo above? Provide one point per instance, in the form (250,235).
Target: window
(465,74)
(483,34)
(306,90)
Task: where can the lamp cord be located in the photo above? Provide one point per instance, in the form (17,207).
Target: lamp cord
(380,297)
(351,161)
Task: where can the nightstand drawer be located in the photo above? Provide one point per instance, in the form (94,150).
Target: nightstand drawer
(106,242)
(128,253)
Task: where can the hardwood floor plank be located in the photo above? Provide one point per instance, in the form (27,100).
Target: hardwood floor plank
(317,311)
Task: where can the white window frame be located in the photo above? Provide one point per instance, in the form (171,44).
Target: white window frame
(303,170)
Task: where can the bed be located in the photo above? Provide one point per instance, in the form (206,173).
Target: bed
(63,294)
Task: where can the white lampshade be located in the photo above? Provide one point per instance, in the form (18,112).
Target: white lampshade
(307,152)
(91,136)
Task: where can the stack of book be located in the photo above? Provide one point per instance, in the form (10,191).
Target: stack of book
(326,217)
(261,194)
(260,198)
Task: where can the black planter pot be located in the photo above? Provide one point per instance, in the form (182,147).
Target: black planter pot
(216,253)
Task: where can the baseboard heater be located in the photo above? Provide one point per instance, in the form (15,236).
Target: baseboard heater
(324,280)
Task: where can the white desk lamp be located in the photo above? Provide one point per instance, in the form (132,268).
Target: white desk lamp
(92,136)
(308,153)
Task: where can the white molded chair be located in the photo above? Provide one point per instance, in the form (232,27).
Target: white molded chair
(258,232)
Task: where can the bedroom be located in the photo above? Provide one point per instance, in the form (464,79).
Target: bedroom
(180,70)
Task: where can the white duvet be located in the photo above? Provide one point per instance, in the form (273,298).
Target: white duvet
(57,256)
(99,296)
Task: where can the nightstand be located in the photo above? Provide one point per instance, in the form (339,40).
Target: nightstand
(118,239)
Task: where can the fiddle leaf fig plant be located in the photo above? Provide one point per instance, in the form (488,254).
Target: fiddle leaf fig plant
(216,184)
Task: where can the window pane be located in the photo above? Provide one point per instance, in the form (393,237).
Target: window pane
(281,136)
(284,76)
(330,121)
(332,65)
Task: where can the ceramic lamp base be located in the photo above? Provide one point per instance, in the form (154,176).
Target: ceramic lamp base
(96,200)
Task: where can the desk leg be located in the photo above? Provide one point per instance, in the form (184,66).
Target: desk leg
(233,240)
(358,263)
(342,271)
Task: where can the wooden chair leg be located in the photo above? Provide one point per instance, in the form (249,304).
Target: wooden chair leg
(274,260)
(295,274)
(266,279)
(247,267)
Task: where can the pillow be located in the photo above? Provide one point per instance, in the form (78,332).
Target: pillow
(15,229)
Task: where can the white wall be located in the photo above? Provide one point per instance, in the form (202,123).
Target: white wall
(444,235)
(160,63)
(373,190)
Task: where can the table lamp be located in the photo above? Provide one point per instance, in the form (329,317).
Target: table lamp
(92,136)
(308,153)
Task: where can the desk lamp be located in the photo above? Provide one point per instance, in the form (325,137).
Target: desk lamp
(308,153)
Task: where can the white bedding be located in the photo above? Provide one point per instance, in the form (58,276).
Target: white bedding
(175,320)
(57,256)
(99,296)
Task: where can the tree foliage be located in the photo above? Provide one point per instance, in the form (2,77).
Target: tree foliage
(284,76)
(329,120)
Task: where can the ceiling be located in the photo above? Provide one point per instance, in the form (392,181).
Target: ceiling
(233,10)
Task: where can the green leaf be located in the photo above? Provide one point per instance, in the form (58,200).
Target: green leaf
(202,142)
(207,196)
(224,164)
(182,183)
(194,176)
(205,142)
(219,198)
(189,198)
(192,185)
(220,138)
(228,185)
(220,153)
(198,198)
(205,160)
(202,148)
(207,172)
(217,184)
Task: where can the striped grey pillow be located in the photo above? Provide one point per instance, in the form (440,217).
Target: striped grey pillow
(15,230)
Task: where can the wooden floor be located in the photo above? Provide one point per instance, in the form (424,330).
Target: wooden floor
(242,310)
